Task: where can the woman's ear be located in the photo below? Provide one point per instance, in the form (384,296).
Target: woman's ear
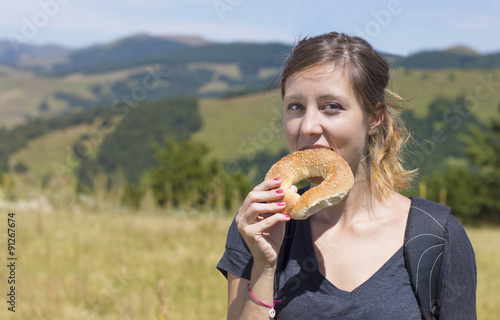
(376,119)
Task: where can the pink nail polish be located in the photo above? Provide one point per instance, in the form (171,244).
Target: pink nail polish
(287,215)
(281,204)
(280,191)
(277,179)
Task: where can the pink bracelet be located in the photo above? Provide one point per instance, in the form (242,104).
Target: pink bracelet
(272,312)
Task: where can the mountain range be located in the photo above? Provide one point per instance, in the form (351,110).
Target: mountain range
(51,80)
(143,49)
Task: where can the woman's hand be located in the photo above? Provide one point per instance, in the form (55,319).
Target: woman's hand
(263,228)
(258,223)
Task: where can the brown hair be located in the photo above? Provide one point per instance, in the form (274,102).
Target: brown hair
(368,74)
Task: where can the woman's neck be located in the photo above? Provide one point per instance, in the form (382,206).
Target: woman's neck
(359,205)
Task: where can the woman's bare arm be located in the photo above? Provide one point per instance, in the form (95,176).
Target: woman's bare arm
(241,305)
(262,228)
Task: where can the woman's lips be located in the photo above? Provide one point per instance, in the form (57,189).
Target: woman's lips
(315,146)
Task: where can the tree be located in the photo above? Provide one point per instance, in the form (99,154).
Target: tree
(44,106)
(484,150)
(473,190)
(186,176)
(437,138)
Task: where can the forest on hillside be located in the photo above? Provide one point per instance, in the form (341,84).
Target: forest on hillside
(144,128)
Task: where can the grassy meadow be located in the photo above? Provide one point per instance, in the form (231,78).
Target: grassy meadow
(161,265)
(117,266)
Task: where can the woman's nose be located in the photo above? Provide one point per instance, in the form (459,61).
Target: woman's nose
(311,123)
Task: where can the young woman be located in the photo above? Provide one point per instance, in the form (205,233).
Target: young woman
(346,261)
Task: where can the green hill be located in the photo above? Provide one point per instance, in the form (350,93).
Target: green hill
(242,126)
(460,49)
(118,52)
(130,146)
(203,71)
(144,68)
(245,131)
(458,57)
(479,87)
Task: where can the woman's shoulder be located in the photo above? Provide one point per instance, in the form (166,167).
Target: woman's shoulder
(426,214)
(438,212)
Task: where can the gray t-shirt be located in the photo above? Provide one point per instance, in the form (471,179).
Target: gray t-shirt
(306,294)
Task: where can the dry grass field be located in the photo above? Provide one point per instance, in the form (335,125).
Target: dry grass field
(148,266)
(485,242)
(131,266)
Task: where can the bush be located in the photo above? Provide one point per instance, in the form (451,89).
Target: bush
(473,190)
(186,176)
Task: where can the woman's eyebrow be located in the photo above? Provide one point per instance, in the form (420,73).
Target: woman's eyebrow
(321,97)
(293,96)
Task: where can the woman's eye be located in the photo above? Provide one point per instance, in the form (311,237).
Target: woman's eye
(333,106)
(295,106)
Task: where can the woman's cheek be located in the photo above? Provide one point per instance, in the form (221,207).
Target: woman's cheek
(291,134)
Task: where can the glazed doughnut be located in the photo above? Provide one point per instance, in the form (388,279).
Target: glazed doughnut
(295,167)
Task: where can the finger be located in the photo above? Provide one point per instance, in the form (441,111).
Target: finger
(294,188)
(268,184)
(263,225)
(266,191)
(268,196)
(261,209)
(264,196)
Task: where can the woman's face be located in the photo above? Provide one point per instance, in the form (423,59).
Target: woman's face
(321,110)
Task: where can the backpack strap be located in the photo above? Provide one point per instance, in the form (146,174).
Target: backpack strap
(423,250)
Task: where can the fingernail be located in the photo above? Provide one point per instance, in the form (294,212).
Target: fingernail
(279,191)
(277,179)
(287,215)
(281,204)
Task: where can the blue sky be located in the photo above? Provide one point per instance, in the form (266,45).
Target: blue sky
(394,26)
